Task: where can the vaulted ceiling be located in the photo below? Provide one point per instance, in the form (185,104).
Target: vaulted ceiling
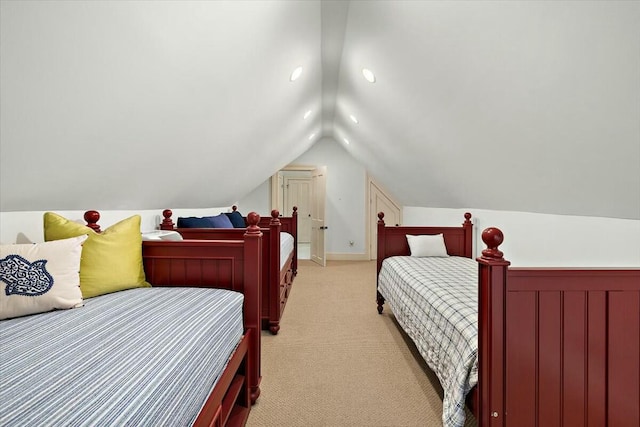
(519,105)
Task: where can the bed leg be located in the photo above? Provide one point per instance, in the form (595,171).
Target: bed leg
(380,301)
(274,327)
(255,393)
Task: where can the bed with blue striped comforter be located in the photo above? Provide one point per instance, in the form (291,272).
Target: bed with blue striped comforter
(435,301)
(140,357)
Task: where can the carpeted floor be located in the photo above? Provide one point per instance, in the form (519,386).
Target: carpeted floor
(336,362)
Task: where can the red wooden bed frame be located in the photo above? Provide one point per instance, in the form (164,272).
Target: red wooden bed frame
(556,346)
(228,264)
(277,282)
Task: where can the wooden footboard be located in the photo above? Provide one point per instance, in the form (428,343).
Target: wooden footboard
(556,346)
(226,264)
(277,282)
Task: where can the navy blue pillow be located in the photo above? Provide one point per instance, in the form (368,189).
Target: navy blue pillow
(194,222)
(236,219)
(220,221)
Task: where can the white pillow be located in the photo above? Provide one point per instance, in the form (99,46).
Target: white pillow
(426,245)
(162,235)
(40,277)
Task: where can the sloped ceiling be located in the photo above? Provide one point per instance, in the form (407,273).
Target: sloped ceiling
(507,105)
(141,104)
(521,105)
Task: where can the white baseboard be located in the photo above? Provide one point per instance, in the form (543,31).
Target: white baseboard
(347,257)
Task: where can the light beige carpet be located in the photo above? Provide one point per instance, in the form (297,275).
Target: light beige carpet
(337,362)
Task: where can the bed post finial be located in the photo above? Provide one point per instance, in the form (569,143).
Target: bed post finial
(381,218)
(253,218)
(467,218)
(275,217)
(92,218)
(492,237)
(234,208)
(167,222)
(467,226)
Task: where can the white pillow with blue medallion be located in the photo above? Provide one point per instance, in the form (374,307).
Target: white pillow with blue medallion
(40,277)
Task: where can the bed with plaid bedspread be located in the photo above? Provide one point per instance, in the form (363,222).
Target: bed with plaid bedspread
(435,301)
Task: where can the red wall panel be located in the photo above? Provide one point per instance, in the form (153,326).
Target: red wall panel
(597,362)
(624,359)
(521,359)
(573,359)
(549,359)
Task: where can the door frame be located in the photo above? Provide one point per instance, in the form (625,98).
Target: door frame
(275,193)
(372,217)
(276,200)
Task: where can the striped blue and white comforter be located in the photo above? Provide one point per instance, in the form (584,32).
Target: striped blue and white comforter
(286,247)
(435,300)
(143,357)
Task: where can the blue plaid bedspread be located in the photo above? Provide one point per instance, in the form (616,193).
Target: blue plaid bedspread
(435,300)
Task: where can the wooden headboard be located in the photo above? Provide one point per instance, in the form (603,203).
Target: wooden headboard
(392,240)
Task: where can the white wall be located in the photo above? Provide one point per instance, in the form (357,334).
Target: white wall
(259,200)
(546,240)
(530,239)
(345,199)
(27,227)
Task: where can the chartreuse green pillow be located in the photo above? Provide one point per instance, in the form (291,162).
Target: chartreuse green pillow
(111,260)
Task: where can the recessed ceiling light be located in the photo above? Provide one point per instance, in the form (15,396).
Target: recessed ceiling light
(346,141)
(353,119)
(307,114)
(296,73)
(368,74)
(311,136)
